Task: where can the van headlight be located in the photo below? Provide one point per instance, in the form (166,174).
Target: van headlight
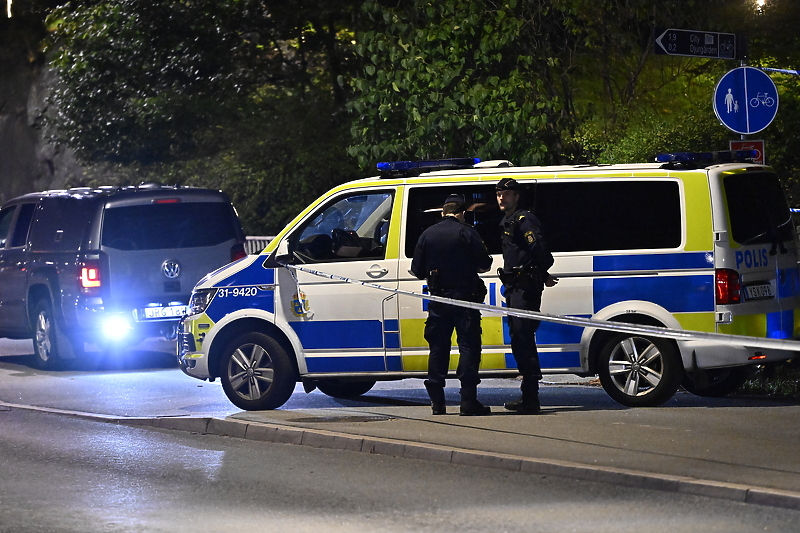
(200,300)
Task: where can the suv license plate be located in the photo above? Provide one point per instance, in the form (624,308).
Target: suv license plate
(175,311)
(756,292)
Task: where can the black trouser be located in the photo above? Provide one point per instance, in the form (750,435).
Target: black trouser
(442,320)
(523,337)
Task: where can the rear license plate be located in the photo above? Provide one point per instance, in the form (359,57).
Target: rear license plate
(757,292)
(152,313)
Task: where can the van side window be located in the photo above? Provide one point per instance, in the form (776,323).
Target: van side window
(609,215)
(425,209)
(350,228)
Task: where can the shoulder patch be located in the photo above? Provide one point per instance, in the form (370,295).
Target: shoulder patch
(530,237)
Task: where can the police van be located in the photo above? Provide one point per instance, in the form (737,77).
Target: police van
(696,242)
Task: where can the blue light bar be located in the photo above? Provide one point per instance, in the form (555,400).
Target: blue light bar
(417,167)
(707,157)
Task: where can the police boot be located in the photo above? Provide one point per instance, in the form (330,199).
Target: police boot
(470,406)
(528,404)
(436,394)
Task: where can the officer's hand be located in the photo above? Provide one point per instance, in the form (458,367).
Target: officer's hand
(550,281)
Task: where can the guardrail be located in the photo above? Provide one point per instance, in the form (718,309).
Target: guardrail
(255,245)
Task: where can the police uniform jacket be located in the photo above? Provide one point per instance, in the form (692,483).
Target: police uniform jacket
(455,250)
(523,244)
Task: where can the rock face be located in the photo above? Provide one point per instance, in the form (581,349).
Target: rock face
(27,161)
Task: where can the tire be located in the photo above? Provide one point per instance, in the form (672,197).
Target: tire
(45,334)
(344,389)
(640,371)
(256,373)
(718,381)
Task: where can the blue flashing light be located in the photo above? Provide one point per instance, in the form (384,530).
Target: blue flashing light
(116,328)
(707,157)
(417,167)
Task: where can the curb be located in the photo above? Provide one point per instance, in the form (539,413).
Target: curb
(318,438)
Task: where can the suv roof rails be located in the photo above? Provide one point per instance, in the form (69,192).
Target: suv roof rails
(686,160)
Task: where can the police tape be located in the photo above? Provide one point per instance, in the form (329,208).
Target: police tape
(620,327)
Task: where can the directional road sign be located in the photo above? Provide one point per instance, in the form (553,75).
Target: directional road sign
(695,43)
(746,100)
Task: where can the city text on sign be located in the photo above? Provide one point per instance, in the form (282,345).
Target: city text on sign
(695,43)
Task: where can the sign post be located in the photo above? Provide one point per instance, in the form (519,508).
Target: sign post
(746,100)
(695,43)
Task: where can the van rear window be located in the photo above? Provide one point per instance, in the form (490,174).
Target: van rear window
(757,208)
(162,226)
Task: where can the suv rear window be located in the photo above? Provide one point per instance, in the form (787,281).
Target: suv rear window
(175,225)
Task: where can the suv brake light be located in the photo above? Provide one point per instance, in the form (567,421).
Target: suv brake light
(728,286)
(237,252)
(90,278)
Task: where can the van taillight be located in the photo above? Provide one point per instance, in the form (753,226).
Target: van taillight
(237,252)
(90,277)
(728,286)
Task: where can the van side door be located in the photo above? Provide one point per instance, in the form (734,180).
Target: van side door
(343,327)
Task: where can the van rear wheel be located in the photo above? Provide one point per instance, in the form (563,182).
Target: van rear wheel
(344,389)
(640,371)
(256,373)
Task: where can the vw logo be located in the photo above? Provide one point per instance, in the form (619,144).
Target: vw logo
(171,268)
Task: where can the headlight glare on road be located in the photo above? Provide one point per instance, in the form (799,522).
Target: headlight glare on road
(200,300)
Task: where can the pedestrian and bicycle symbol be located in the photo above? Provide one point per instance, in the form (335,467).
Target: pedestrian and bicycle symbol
(746,100)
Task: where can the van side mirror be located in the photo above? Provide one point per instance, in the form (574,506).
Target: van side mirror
(280,256)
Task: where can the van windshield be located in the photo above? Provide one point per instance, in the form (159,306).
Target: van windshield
(162,226)
(757,208)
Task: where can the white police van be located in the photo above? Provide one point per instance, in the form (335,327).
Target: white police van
(700,242)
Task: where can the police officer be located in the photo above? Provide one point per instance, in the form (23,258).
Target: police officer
(450,254)
(526,259)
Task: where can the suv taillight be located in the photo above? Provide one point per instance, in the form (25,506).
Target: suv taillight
(728,286)
(90,278)
(237,252)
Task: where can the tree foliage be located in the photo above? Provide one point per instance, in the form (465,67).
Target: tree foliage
(275,100)
(234,93)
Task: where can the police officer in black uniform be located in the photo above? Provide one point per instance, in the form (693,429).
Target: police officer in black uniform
(526,259)
(450,254)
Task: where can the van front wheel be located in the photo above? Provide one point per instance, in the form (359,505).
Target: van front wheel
(256,373)
(640,371)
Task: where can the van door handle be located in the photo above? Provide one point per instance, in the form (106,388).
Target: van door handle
(376,271)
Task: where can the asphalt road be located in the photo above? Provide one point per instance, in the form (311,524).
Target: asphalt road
(64,475)
(744,449)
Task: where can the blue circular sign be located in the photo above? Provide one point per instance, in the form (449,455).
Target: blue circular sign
(746,100)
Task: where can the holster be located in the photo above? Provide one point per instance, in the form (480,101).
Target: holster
(434,283)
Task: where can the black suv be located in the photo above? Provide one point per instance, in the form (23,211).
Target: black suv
(110,263)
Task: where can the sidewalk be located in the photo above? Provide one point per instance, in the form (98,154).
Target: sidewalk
(737,449)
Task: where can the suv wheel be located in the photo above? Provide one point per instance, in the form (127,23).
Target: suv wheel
(45,346)
(256,373)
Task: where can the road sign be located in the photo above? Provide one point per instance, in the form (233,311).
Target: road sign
(695,43)
(746,100)
(758,146)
